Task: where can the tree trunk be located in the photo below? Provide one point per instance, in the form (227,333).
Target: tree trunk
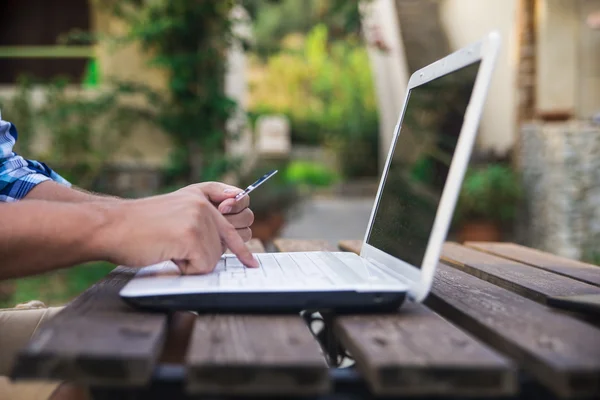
(526,75)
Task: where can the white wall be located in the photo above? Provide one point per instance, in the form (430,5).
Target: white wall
(568,59)
(557,55)
(467,21)
(589,55)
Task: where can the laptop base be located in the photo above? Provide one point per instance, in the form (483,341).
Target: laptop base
(338,302)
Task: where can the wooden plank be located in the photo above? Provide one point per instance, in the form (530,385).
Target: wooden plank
(254,245)
(255,355)
(96,340)
(296,245)
(581,271)
(562,352)
(523,279)
(353,246)
(416,352)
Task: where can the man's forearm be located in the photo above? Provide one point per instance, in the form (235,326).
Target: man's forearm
(39,236)
(53,191)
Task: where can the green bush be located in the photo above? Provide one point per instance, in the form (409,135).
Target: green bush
(57,287)
(593,258)
(274,19)
(326,90)
(310,174)
(19,110)
(491,193)
(83,127)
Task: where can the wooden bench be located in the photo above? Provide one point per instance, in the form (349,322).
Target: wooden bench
(484,331)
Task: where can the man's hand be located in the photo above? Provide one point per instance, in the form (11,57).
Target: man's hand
(183,226)
(222,196)
(191,226)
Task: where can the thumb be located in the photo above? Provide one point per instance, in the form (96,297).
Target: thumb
(218,192)
(226,206)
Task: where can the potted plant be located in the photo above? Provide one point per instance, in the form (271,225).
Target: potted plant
(488,200)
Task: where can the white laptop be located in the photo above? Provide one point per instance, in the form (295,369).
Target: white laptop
(409,221)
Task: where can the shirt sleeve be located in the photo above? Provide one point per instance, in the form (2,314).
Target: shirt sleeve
(18,176)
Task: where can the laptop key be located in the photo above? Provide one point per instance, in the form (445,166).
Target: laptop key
(306,265)
(269,266)
(335,269)
(233,263)
(287,265)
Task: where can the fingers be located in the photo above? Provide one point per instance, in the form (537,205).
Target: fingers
(231,206)
(235,243)
(217,192)
(241,220)
(245,233)
(223,195)
(204,247)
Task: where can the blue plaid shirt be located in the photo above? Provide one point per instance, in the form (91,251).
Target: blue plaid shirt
(18,175)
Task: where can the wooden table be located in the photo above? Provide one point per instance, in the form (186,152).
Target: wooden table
(484,331)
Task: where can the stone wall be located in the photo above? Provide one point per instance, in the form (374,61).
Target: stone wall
(561,177)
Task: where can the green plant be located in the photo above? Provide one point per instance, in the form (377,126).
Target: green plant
(592,257)
(326,90)
(274,19)
(82,128)
(189,40)
(309,174)
(19,110)
(491,193)
(86,128)
(57,287)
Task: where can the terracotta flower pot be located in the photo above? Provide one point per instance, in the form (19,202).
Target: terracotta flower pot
(479,231)
(267,228)
(555,115)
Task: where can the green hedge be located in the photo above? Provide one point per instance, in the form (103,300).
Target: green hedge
(326,90)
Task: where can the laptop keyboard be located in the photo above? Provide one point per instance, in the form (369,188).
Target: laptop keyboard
(285,271)
(319,270)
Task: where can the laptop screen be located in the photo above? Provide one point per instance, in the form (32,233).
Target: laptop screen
(421,158)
